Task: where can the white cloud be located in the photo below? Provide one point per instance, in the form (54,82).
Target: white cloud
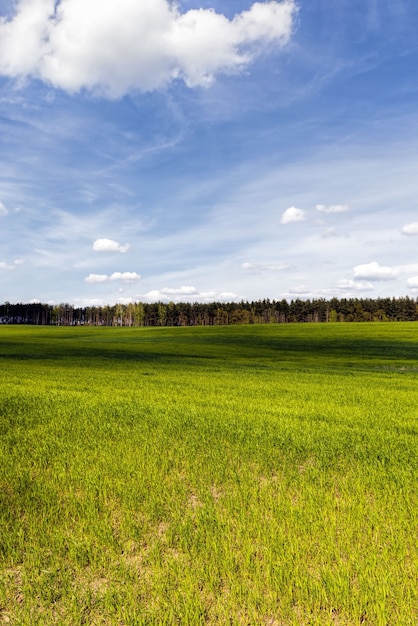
(300,290)
(410,229)
(264,267)
(155,295)
(185,294)
(3,210)
(109,245)
(333,208)
(97,278)
(292,214)
(407,269)
(354,285)
(227,296)
(183,291)
(114,47)
(412,282)
(89,302)
(125,300)
(23,39)
(6,266)
(374,271)
(127,277)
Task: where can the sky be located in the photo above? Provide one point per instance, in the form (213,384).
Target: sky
(208,151)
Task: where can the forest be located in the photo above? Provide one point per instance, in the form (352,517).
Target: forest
(214,313)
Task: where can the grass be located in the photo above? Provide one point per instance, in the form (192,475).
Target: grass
(260,475)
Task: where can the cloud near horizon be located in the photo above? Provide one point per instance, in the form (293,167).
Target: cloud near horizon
(354,285)
(126,277)
(374,271)
(113,48)
(412,282)
(185,290)
(189,294)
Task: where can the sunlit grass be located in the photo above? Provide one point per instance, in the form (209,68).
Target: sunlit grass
(240,475)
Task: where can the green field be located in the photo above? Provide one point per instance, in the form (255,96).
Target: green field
(249,475)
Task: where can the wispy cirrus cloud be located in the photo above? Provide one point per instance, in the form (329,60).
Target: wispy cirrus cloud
(265,267)
(5,211)
(6,266)
(332,208)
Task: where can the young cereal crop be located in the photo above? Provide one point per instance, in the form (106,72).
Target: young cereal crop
(257,475)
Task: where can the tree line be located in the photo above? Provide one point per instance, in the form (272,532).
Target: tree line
(214,313)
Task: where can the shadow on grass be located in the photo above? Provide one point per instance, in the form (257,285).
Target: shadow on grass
(313,344)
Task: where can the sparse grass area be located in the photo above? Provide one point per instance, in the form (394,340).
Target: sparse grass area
(261,475)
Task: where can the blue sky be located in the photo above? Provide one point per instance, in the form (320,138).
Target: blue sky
(208,150)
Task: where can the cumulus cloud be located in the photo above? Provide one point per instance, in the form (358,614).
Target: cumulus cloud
(89,302)
(97,278)
(181,291)
(374,271)
(187,293)
(354,285)
(126,277)
(114,47)
(292,214)
(109,245)
(412,282)
(410,229)
(333,208)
